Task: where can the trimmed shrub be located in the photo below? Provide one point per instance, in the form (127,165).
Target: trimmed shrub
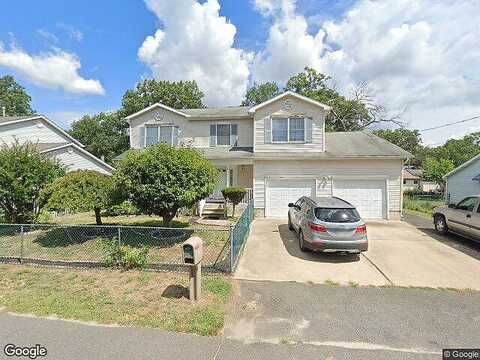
(234,195)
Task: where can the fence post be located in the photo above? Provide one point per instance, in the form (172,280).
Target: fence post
(119,236)
(232,257)
(21,243)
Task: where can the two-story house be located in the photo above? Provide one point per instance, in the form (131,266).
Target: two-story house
(51,141)
(279,150)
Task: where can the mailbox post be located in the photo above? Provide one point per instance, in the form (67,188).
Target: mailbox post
(192,256)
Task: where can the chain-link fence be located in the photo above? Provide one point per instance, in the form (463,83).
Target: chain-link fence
(239,234)
(89,245)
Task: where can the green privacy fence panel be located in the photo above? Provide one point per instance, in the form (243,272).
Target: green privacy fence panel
(239,234)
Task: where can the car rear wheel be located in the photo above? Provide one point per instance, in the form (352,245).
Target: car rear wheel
(290,226)
(440,224)
(301,242)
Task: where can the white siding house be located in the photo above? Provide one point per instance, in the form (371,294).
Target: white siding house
(463,181)
(279,151)
(50,140)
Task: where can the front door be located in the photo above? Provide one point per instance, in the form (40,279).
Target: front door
(222,183)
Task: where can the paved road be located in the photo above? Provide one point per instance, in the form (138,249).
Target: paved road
(400,253)
(74,341)
(391,321)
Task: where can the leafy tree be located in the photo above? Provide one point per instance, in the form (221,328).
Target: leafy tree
(14,97)
(24,172)
(82,190)
(162,179)
(235,195)
(435,169)
(176,94)
(104,135)
(407,139)
(348,114)
(259,93)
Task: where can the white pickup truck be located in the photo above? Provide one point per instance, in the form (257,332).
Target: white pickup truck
(462,218)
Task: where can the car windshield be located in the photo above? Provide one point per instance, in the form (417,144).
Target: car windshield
(337,215)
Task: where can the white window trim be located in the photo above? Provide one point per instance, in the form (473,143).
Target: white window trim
(229,133)
(288,131)
(158,134)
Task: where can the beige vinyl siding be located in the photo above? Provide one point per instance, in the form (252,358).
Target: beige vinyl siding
(299,107)
(75,159)
(192,132)
(35,131)
(460,183)
(325,172)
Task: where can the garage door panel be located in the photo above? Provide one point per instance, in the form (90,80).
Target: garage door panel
(368,196)
(280,192)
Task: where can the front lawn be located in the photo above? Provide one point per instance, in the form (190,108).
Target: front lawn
(131,298)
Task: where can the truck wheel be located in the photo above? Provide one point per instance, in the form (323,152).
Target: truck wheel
(440,224)
(290,226)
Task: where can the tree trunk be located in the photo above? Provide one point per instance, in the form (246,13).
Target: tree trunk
(168,216)
(98,218)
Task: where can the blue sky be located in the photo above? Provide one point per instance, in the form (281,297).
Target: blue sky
(233,43)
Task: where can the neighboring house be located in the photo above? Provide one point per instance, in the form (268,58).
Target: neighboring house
(279,151)
(463,181)
(412,181)
(50,140)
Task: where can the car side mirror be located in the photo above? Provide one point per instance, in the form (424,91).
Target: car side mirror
(291,205)
(452,206)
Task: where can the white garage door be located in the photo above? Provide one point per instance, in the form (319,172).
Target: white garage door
(368,196)
(283,191)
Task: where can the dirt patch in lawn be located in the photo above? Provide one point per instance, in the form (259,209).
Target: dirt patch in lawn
(133,298)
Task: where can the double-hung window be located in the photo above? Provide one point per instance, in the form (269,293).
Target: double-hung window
(223,134)
(288,130)
(155,134)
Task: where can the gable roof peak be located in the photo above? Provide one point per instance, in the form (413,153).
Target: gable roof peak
(293,94)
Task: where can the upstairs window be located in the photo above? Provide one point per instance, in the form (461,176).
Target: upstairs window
(223,134)
(288,130)
(156,134)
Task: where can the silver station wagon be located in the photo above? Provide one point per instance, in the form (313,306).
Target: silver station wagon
(327,224)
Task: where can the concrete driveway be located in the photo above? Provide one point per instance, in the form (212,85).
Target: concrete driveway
(399,254)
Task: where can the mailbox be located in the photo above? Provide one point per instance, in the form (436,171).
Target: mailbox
(193,251)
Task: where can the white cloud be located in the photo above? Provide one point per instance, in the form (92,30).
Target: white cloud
(56,69)
(196,43)
(47,35)
(73,33)
(417,54)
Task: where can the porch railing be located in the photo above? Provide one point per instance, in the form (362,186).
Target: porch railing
(248,196)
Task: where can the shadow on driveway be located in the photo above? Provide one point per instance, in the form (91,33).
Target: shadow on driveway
(466,246)
(290,241)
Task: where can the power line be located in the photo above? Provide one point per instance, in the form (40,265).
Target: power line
(452,123)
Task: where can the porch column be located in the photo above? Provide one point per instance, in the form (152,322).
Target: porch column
(228,175)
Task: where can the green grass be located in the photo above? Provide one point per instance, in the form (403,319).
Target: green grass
(331,282)
(420,207)
(85,243)
(129,298)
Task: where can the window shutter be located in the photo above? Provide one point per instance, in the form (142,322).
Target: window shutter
(234,135)
(308,130)
(268,130)
(213,135)
(175,136)
(142,137)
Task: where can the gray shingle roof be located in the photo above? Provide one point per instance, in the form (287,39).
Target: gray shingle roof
(360,144)
(219,113)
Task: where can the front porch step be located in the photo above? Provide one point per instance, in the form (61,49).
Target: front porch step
(217,213)
(214,206)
